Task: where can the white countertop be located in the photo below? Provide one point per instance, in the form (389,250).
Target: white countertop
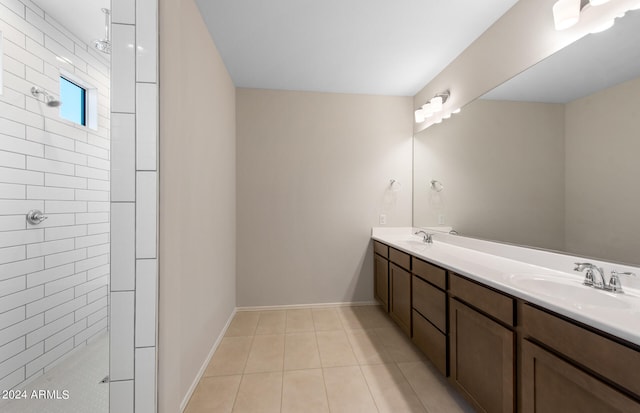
(558,291)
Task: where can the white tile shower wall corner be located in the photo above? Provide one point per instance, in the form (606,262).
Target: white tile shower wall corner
(147,41)
(54,276)
(121,396)
(123,63)
(146,126)
(134,64)
(123,168)
(145,383)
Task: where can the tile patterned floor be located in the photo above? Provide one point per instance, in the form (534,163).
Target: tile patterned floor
(80,373)
(339,359)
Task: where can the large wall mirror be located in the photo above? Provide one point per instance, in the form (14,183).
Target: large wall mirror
(550,159)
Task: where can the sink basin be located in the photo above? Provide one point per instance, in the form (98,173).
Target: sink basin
(413,244)
(571,291)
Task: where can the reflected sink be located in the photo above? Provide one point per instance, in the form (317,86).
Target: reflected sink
(571,291)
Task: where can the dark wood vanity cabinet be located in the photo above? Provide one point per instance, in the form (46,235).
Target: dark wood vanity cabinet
(400,297)
(429,312)
(566,367)
(381,274)
(503,353)
(482,345)
(392,283)
(549,384)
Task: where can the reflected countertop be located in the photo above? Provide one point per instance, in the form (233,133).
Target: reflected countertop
(533,276)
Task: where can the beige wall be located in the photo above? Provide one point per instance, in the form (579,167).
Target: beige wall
(603,193)
(197,199)
(502,167)
(313,172)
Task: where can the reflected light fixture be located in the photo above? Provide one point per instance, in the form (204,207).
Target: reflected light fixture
(566,13)
(431,107)
(597,15)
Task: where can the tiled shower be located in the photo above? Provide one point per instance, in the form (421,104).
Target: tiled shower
(54,275)
(127,215)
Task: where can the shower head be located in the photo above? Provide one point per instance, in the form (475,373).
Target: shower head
(48,99)
(104,45)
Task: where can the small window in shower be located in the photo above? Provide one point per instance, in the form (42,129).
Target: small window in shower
(74,99)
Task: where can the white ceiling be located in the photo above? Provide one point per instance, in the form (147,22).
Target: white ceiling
(82,18)
(349,46)
(595,62)
(353,46)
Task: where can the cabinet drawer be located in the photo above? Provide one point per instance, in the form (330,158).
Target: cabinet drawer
(615,361)
(400,258)
(435,275)
(491,302)
(430,302)
(431,341)
(380,249)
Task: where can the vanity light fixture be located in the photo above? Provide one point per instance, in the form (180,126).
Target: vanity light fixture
(596,15)
(431,107)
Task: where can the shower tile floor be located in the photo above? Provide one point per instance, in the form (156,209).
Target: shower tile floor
(339,359)
(80,374)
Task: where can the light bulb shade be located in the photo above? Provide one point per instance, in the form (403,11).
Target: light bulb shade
(566,13)
(436,104)
(427,109)
(598,2)
(419,115)
(456,111)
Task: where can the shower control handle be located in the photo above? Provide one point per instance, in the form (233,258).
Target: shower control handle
(35,217)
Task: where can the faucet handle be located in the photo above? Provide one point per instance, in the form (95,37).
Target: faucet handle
(616,273)
(615,286)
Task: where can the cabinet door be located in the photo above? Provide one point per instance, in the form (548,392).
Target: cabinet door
(400,302)
(381,280)
(481,355)
(550,385)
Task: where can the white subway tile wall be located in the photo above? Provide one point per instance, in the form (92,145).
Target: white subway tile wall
(54,277)
(134,205)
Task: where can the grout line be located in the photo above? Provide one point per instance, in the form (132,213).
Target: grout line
(324,383)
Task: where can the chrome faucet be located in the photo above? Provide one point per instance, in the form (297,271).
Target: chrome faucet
(426,237)
(615,286)
(588,276)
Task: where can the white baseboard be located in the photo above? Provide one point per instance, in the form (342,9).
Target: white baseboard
(300,306)
(203,368)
